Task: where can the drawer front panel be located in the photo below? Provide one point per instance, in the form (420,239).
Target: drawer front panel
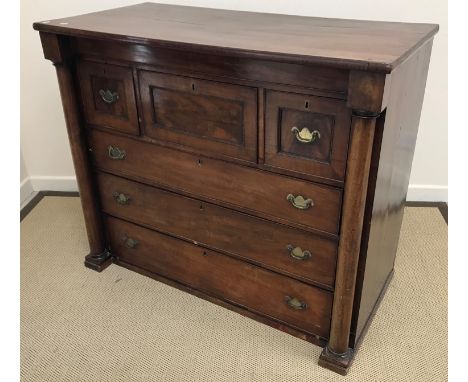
(283,249)
(108,96)
(307,134)
(284,199)
(207,115)
(287,300)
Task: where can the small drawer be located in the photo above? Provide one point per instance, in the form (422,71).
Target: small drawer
(307,134)
(276,197)
(108,96)
(206,115)
(286,300)
(287,250)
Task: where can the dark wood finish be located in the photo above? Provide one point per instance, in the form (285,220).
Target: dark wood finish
(221,229)
(325,157)
(366,91)
(354,200)
(98,258)
(203,144)
(350,44)
(54,49)
(312,338)
(379,125)
(246,71)
(386,199)
(207,115)
(261,126)
(223,277)
(121,114)
(223,183)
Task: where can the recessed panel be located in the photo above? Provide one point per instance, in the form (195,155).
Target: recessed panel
(108,96)
(307,135)
(209,116)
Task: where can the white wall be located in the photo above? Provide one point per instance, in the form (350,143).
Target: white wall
(23,171)
(43,136)
(26,189)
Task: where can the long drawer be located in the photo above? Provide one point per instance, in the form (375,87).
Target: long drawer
(277,197)
(282,298)
(288,250)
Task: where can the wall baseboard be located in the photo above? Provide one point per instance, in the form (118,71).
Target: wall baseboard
(427,193)
(54,183)
(26,191)
(416,192)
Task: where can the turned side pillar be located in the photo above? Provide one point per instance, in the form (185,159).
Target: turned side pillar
(56,49)
(365,98)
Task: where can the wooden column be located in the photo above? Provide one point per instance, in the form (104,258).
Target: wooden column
(365,93)
(337,355)
(55,49)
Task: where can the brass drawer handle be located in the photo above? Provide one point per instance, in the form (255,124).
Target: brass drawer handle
(295,303)
(129,242)
(299,201)
(108,96)
(297,253)
(121,198)
(116,153)
(305,135)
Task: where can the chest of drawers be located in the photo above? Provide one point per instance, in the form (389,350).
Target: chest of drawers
(258,161)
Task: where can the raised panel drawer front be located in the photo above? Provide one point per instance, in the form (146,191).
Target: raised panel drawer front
(288,250)
(284,199)
(307,134)
(108,96)
(282,298)
(207,115)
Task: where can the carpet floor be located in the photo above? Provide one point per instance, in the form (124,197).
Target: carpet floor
(79,325)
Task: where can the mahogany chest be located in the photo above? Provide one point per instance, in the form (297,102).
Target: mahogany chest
(259,161)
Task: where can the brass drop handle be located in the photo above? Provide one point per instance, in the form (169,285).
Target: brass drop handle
(108,96)
(121,198)
(305,135)
(297,253)
(300,202)
(116,153)
(130,243)
(295,303)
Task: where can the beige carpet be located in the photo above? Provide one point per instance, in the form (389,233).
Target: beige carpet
(79,325)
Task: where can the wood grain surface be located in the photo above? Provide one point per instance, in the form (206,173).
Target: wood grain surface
(257,240)
(364,45)
(223,277)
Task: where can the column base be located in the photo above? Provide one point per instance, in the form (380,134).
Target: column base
(338,363)
(98,262)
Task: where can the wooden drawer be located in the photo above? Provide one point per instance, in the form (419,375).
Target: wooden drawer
(108,96)
(244,188)
(291,251)
(210,116)
(307,134)
(223,277)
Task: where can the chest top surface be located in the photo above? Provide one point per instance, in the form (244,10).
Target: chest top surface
(351,44)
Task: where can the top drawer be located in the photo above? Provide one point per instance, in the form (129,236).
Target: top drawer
(209,116)
(108,96)
(307,134)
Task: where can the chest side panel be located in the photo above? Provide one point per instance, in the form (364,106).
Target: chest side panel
(386,197)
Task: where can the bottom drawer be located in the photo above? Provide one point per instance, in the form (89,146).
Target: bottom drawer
(292,302)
